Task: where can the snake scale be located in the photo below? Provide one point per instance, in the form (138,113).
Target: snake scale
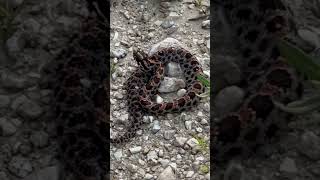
(257,25)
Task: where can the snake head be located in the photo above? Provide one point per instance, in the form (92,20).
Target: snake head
(145,62)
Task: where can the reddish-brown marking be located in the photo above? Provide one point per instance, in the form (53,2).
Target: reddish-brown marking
(153,57)
(168,106)
(194,62)
(181,102)
(197,86)
(156,107)
(148,86)
(145,102)
(191,95)
(156,79)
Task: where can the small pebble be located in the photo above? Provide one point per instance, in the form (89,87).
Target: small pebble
(156,126)
(135,150)
(206,24)
(188,125)
(181,92)
(181,140)
(159,99)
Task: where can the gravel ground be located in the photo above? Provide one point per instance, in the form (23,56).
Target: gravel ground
(170,146)
(173,146)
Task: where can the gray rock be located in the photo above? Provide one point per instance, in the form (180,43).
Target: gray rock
(119,53)
(18,101)
(168,134)
(28,108)
(310,145)
(47,173)
(159,99)
(167,24)
(160,153)
(171,85)
(181,140)
(173,70)
(173,14)
(172,29)
(39,139)
(25,148)
(156,126)
(164,162)
(226,72)
(228,100)
(68,22)
(158,22)
(152,155)
(288,165)
(12,81)
(189,174)
(309,36)
(207,176)
(5,153)
(199,129)
(148,176)
(124,117)
(208,44)
(32,25)
(85,82)
(16,43)
(4,101)
(118,154)
(188,125)
(167,174)
(20,166)
(181,92)
(15,3)
(135,150)
(7,128)
(203,122)
(206,24)
(192,142)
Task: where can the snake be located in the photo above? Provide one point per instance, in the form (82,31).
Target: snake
(144,82)
(257,25)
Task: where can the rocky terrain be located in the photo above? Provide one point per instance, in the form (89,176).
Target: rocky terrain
(174,146)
